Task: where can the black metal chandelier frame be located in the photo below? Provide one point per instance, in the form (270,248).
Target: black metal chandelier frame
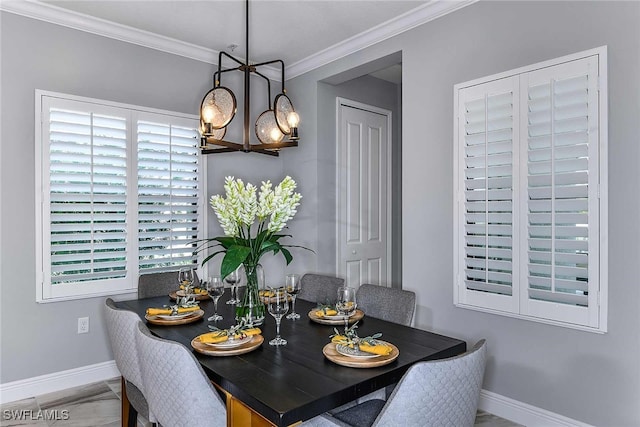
(212,136)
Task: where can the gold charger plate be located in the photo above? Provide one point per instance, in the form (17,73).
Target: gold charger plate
(359,314)
(332,354)
(256,341)
(181,321)
(199,297)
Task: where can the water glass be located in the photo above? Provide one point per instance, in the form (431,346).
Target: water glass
(186,276)
(293,287)
(215,288)
(233,279)
(278,305)
(346,304)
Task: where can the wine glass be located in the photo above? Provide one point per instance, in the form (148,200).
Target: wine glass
(292,285)
(233,279)
(185,279)
(278,306)
(346,303)
(215,288)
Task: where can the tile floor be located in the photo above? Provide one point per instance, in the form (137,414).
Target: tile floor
(98,404)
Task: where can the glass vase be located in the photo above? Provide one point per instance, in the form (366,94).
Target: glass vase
(251,306)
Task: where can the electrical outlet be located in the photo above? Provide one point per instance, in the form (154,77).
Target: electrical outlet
(83,325)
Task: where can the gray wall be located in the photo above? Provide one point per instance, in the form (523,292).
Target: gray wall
(589,377)
(40,339)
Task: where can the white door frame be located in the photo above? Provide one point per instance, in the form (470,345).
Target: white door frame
(344,102)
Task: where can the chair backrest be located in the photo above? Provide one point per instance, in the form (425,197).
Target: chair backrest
(320,288)
(393,305)
(159,284)
(178,391)
(121,328)
(438,393)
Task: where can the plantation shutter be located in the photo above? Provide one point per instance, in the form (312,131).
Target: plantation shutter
(560,130)
(87,194)
(169,190)
(487,126)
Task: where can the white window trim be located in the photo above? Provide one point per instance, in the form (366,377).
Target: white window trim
(43,292)
(602,298)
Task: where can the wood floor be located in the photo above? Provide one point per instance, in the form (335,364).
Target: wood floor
(98,404)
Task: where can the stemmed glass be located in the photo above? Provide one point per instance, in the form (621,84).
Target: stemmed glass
(346,303)
(233,280)
(292,285)
(215,288)
(186,278)
(278,306)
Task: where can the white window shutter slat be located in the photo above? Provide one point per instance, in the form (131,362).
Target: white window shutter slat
(530,179)
(87,156)
(560,130)
(169,189)
(87,152)
(487,128)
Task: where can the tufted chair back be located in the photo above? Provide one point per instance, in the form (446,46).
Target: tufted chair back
(121,328)
(178,390)
(438,392)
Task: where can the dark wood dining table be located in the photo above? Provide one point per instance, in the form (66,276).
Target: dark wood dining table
(288,384)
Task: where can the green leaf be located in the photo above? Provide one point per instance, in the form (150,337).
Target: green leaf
(287,255)
(269,246)
(280,236)
(297,246)
(211,256)
(226,242)
(235,256)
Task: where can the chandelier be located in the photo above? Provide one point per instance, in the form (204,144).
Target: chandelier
(275,128)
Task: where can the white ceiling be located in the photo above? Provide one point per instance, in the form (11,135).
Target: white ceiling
(288,30)
(305,34)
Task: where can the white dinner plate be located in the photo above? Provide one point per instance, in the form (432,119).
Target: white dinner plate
(345,350)
(176,316)
(338,316)
(230,343)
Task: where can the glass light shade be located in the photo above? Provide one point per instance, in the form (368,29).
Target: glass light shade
(267,129)
(283,108)
(218,107)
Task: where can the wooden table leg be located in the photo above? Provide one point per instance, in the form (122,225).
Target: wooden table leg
(240,415)
(124,403)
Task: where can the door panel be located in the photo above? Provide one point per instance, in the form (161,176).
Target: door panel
(364,160)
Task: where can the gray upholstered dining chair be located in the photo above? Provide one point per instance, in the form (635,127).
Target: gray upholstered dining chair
(178,390)
(392,305)
(121,328)
(319,288)
(158,284)
(435,393)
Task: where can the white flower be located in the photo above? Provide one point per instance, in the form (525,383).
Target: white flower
(265,207)
(225,215)
(241,206)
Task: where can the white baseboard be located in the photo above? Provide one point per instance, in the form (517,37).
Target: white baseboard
(523,413)
(29,387)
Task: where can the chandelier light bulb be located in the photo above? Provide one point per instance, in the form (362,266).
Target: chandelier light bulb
(208,113)
(293,119)
(276,135)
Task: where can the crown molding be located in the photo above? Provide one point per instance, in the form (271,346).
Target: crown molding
(90,24)
(67,18)
(408,20)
